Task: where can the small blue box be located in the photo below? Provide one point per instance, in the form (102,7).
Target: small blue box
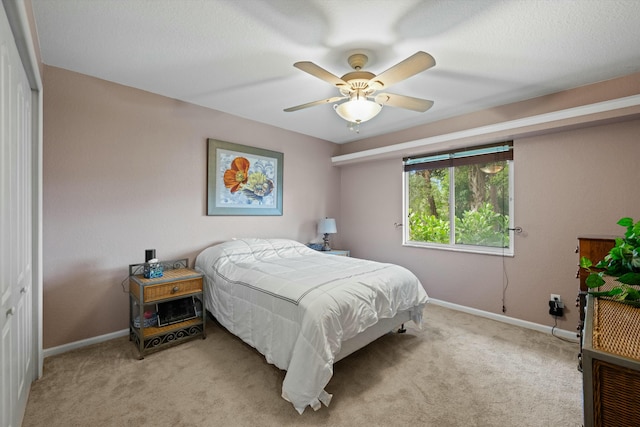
(152,271)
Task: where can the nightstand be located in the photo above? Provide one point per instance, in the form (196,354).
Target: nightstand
(337,252)
(173,304)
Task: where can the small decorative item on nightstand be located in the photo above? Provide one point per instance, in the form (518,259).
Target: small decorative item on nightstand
(152,269)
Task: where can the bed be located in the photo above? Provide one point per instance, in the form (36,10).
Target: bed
(305,310)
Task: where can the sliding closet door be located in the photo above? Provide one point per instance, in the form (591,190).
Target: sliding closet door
(16,327)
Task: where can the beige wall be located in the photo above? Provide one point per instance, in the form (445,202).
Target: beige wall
(125,171)
(567,184)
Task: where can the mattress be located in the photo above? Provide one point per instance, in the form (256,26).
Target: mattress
(297,306)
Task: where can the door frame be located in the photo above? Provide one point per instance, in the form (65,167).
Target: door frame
(21,21)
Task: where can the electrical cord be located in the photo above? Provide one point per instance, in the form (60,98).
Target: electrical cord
(505,285)
(555,325)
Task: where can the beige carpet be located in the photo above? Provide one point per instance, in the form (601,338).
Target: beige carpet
(459,370)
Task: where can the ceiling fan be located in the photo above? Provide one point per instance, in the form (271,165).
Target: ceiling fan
(359,87)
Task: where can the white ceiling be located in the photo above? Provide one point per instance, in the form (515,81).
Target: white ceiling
(237,56)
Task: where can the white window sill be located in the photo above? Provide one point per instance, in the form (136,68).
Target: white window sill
(483,250)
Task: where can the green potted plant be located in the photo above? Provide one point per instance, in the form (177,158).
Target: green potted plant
(622,262)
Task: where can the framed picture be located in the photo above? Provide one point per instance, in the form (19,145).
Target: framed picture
(243,180)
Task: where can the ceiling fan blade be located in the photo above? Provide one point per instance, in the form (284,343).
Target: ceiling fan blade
(314,103)
(321,73)
(402,101)
(413,65)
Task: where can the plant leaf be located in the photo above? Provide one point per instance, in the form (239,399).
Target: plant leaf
(625,222)
(632,294)
(585,262)
(594,280)
(610,293)
(616,252)
(630,279)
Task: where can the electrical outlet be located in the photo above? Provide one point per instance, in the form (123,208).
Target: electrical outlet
(556,307)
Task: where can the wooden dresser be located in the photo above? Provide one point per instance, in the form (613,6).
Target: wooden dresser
(594,247)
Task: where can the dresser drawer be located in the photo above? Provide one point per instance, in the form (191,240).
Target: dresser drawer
(173,289)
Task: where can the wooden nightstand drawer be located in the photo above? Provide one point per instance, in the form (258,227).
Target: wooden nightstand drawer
(173,289)
(173,283)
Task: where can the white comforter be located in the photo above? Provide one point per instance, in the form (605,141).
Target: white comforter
(296,305)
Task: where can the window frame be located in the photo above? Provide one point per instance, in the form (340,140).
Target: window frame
(452,165)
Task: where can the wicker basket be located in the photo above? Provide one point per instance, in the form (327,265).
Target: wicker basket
(612,365)
(613,324)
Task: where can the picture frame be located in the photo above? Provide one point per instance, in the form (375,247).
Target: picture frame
(243,180)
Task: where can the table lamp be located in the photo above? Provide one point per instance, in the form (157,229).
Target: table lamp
(327,226)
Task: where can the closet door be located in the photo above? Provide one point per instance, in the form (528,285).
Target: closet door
(16,328)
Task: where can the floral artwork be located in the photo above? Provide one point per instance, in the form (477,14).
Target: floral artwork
(247,184)
(246,180)
(238,175)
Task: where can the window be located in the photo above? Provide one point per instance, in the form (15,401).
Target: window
(460,200)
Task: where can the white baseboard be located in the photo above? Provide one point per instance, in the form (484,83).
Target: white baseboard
(564,334)
(83,343)
(568,335)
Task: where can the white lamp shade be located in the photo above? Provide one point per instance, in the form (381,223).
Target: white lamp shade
(358,110)
(327,226)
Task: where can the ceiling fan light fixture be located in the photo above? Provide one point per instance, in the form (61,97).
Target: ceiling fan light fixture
(358,110)
(492,168)
(359,86)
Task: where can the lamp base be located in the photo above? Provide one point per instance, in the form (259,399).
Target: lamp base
(326,246)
